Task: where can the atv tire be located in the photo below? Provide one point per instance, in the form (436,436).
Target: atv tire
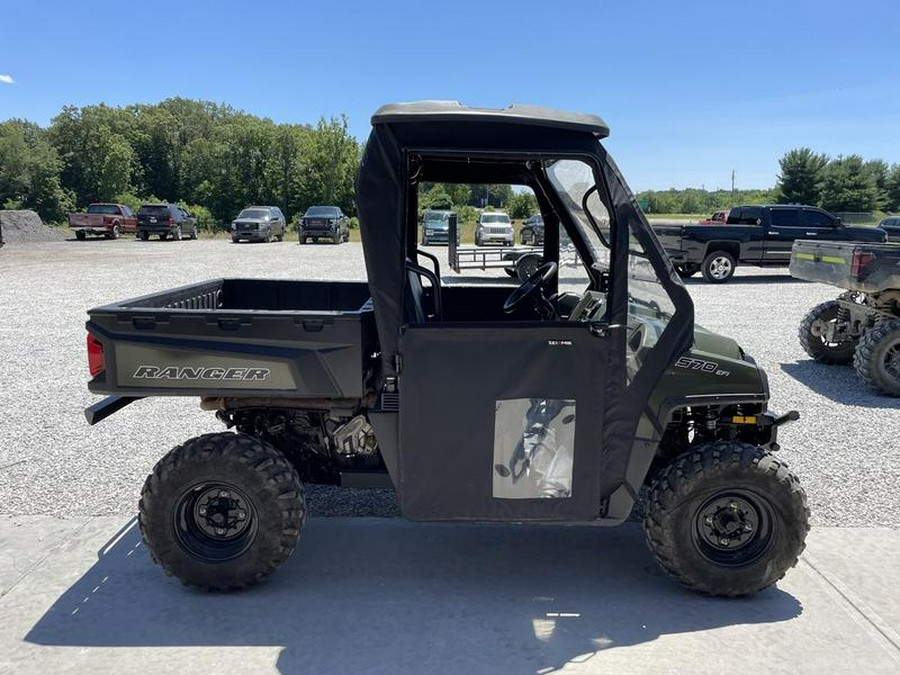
(811,335)
(877,357)
(726,519)
(222,511)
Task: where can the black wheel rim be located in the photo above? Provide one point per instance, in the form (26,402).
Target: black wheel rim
(215,522)
(733,528)
(892,361)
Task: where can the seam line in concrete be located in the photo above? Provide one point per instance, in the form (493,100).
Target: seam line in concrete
(49,552)
(855,606)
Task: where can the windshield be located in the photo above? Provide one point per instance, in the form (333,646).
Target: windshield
(322,212)
(109,209)
(495,218)
(436,216)
(649,306)
(253,213)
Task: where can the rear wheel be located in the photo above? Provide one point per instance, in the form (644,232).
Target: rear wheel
(114,233)
(163,236)
(718,267)
(222,511)
(302,240)
(726,519)
(144,236)
(814,329)
(176,233)
(80,235)
(877,358)
(687,270)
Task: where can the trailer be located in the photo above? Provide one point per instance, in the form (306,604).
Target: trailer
(517,261)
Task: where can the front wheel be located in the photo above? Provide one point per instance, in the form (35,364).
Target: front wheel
(222,511)
(726,519)
(718,267)
(813,335)
(877,358)
(194,232)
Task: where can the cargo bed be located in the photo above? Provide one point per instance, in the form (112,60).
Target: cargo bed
(228,337)
(861,267)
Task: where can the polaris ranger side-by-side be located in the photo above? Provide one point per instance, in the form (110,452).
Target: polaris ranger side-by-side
(553,402)
(862,325)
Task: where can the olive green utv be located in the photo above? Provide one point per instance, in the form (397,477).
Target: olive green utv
(557,401)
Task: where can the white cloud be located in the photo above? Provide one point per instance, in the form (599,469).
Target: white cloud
(7,79)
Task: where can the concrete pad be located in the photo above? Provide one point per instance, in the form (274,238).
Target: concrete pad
(388,596)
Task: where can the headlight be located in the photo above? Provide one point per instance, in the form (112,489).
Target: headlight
(234,226)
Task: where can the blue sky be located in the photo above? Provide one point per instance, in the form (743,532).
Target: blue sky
(691,90)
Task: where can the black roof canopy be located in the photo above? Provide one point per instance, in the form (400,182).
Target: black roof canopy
(515,114)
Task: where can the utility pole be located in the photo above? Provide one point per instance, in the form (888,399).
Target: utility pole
(732,183)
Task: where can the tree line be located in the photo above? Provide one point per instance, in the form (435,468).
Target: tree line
(215,160)
(837,184)
(209,157)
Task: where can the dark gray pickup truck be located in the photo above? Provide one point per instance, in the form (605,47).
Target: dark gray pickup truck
(755,235)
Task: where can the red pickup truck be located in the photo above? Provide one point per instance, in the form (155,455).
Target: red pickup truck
(109,220)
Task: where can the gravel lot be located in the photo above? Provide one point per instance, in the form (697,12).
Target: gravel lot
(845,447)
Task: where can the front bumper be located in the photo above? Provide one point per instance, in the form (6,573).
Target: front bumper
(501,238)
(250,235)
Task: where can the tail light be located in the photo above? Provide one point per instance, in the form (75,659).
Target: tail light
(171,220)
(96,362)
(860,261)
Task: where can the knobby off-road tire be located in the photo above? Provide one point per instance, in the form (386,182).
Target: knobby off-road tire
(222,511)
(877,357)
(813,342)
(718,267)
(726,519)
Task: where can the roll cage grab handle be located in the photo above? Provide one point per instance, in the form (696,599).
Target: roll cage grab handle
(435,283)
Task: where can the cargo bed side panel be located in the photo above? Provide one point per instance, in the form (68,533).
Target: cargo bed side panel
(153,349)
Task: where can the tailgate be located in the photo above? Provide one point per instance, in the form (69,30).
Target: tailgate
(867,268)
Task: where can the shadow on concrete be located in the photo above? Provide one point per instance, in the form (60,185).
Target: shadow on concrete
(369,595)
(839,383)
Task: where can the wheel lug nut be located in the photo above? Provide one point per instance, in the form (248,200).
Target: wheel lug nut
(732,506)
(220,531)
(241,515)
(748,527)
(202,510)
(708,520)
(723,542)
(223,493)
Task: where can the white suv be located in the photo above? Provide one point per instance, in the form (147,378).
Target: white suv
(493,227)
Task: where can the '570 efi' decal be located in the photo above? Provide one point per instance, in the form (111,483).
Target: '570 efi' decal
(701,365)
(183,373)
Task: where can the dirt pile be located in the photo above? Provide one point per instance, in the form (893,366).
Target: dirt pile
(22,227)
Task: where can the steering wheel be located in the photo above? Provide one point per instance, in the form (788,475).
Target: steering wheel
(533,284)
